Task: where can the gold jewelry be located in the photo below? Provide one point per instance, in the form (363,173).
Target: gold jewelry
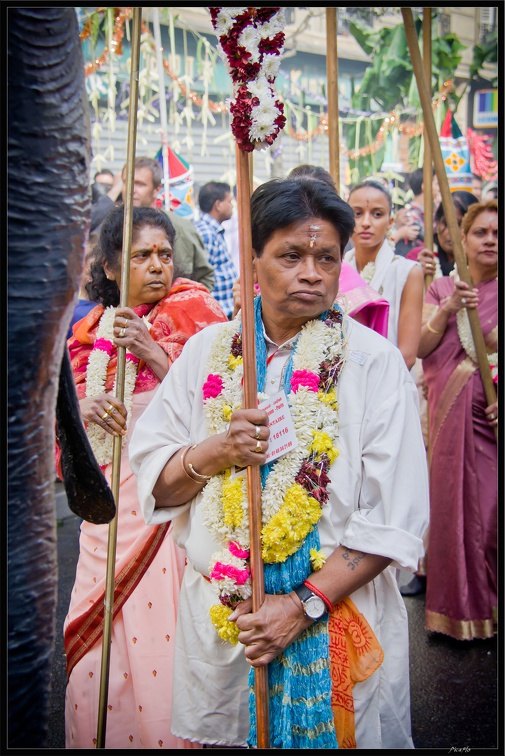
(433,330)
(122,333)
(258,431)
(104,416)
(258,448)
(192,474)
(110,410)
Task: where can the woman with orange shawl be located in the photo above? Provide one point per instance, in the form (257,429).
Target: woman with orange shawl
(162,314)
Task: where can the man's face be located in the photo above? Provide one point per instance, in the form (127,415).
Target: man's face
(298,273)
(144,191)
(477,187)
(224,207)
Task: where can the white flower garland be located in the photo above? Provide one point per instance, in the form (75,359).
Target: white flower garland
(312,413)
(96,374)
(368,272)
(466,338)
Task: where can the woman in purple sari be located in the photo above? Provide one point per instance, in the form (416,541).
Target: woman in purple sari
(461,592)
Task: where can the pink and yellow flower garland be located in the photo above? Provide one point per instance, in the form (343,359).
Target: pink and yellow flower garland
(296,488)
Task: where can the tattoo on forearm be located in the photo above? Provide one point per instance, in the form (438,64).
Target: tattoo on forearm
(353,558)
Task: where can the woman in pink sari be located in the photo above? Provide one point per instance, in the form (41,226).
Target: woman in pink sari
(161,316)
(461,592)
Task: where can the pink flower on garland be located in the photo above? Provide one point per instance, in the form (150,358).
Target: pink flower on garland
(304,378)
(132,358)
(212,386)
(104,344)
(222,571)
(235,549)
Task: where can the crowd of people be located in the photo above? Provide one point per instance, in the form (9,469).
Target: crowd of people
(362,336)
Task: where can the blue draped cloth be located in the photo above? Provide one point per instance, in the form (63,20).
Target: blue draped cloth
(299,679)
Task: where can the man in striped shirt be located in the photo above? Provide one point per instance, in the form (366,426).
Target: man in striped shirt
(215,203)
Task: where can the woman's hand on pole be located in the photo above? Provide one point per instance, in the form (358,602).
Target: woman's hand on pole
(106,411)
(132,332)
(492,414)
(461,297)
(426,258)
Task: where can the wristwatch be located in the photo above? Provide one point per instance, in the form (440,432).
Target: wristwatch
(313,605)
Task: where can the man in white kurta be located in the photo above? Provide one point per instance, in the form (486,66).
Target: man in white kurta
(378,504)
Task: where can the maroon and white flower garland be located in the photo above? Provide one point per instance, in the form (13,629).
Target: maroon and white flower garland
(251,41)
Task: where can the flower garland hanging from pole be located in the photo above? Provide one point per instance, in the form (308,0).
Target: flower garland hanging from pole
(250,45)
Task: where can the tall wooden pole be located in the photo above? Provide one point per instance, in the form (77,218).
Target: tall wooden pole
(120,379)
(449,210)
(163,108)
(428,162)
(243,163)
(332,94)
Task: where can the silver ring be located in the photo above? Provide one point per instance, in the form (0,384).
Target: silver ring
(258,448)
(122,333)
(258,431)
(463,300)
(492,417)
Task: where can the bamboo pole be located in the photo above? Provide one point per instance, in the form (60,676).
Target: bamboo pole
(449,210)
(428,162)
(332,93)
(163,108)
(120,378)
(251,402)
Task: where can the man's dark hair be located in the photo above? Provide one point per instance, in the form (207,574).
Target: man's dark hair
(375,185)
(210,193)
(416,181)
(313,171)
(110,245)
(280,202)
(101,173)
(154,167)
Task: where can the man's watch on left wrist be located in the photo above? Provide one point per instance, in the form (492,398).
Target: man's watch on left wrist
(313,605)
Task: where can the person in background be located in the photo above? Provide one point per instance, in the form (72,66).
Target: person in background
(104,176)
(214,200)
(461,573)
(84,305)
(399,280)
(477,186)
(341,510)
(440,260)
(231,233)
(408,228)
(435,263)
(163,312)
(490,191)
(191,257)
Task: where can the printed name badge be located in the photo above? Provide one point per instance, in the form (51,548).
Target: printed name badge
(282,437)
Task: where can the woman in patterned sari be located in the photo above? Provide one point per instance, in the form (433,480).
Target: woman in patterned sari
(162,314)
(461,597)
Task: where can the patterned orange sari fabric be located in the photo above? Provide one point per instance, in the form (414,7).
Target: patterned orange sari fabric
(355,654)
(187,308)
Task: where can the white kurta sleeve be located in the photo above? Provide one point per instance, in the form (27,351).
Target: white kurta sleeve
(392,511)
(163,429)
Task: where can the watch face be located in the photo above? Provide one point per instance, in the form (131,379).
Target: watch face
(314,607)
